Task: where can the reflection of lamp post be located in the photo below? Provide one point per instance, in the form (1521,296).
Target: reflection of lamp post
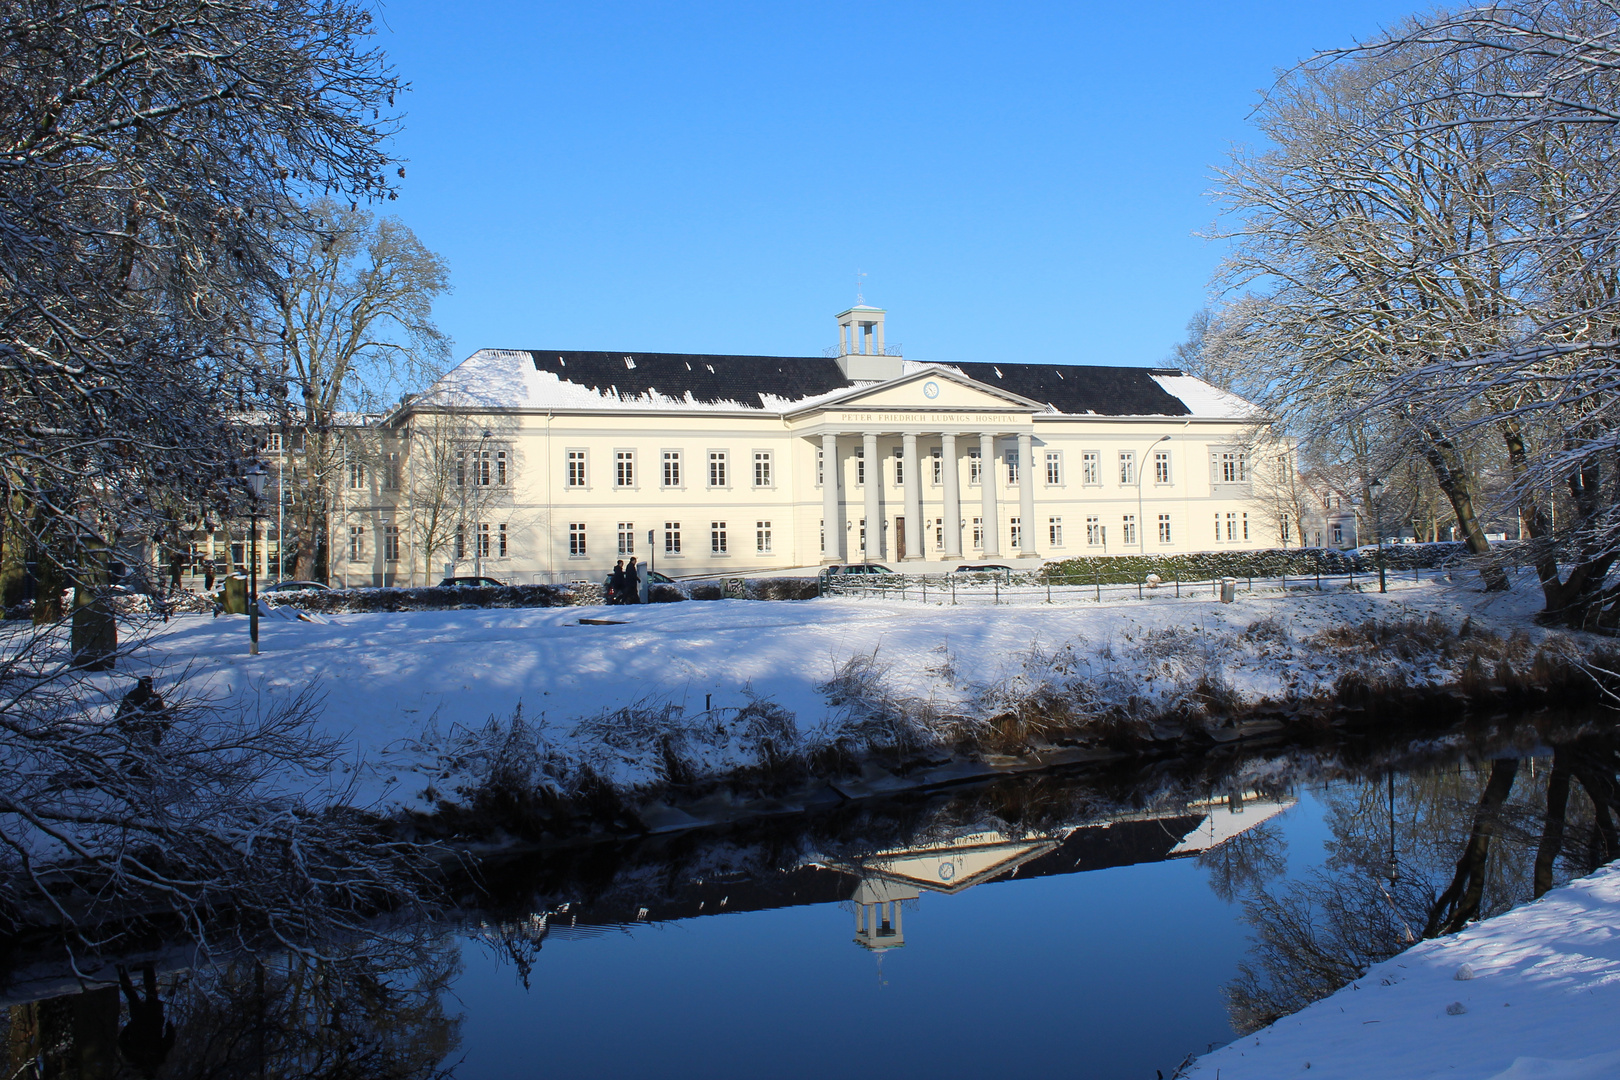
(1141,537)
(1377,488)
(255,477)
(1391,870)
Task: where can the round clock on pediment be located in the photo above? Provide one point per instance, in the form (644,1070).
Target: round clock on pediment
(930,389)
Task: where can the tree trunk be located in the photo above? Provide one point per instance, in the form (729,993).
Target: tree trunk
(1461,900)
(1552,831)
(1446,461)
(94,635)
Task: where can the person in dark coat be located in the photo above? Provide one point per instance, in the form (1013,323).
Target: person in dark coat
(147,1039)
(208,575)
(142,715)
(632,583)
(615,589)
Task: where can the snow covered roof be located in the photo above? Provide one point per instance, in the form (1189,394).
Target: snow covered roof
(564,379)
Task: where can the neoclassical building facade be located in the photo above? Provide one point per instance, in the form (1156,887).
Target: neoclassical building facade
(552,465)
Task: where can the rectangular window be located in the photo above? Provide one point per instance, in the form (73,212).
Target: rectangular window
(672,538)
(1054,532)
(821,467)
(762,468)
(391,471)
(1054,468)
(978,534)
(500,468)
(939,464)
(501,550)
(1231,526)
(484,460)
(1129,530)
(717,468)
(576,468)
(1127,467)
(576,538)
(1164,528)
(1161,466)
(1284,529)
(357,543)
(1337,531)
(627,538)
(1232,467)
(1245,525)
(672,468)
(1015,532)
(1090,467)
(461,541)
(357,475)
(863,535)
(461,468)
(899,466)
(624,468)
(272,442)
(762,537)
(823,530)
(390,542)
(860,465)
(939,534)
(975,467)
(1093,532)
(483,540)
(1011,457)
(717,537)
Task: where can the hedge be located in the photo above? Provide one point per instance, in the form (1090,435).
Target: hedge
(1262,563)
(426,598)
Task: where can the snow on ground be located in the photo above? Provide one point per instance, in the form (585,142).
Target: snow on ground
(388,678)
(1540,1004)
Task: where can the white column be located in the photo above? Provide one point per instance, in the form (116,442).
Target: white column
(874,507)
(1026,494)
(914,529)
(831,473)
(987,488)
(953,497)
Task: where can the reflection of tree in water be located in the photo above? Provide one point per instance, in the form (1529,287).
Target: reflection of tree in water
(1421,855)
(362,1014)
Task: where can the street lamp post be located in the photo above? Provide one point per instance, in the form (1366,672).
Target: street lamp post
(1377,488)
(255,477)
(479,479)
(1141,535)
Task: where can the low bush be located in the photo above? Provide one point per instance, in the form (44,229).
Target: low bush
(1264,563)
(425,599)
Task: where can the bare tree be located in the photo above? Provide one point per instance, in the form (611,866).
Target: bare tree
(351,321)
(461,471)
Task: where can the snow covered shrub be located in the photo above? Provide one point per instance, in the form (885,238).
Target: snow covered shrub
(784,588)
(872,716)
(1270,630)
(665,594)
(769,733)
(707,590)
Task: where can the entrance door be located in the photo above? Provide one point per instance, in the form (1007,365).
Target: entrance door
(899,538)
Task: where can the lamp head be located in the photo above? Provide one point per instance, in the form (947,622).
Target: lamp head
(255,477)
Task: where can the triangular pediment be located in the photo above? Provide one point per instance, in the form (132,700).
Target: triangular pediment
(934,389)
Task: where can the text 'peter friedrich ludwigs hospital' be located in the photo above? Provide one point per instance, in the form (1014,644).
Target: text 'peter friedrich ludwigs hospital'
(727,464)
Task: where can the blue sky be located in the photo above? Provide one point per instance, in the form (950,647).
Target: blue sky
(1020,182)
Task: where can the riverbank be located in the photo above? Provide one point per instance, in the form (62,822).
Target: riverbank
(633,709)
(1528,994)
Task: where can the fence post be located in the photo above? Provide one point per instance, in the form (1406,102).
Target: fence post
(1096,576)
(997,583)
(1048,588)
(925,590)
(952,579)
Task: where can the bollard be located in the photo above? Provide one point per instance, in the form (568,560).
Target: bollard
(1228,590)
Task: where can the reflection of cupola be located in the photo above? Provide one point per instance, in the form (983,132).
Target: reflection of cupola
(862,353)
(877,913)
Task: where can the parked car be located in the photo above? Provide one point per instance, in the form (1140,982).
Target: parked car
(857,568)
(985,567)
(471,583)
(294,586)
(653,577)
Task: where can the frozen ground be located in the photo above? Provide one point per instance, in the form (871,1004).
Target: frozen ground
(1529,995)
(396,682)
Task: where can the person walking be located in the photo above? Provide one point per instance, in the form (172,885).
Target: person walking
(208,575)
(615,589)
(632,582)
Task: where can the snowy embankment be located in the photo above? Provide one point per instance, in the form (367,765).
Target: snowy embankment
(1529,995)
(681,693)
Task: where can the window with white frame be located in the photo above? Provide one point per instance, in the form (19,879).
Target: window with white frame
(627,538)
(1245,525)
(1336,530)
(1015,532)
(899,466)
(975,467)
(390,542)
(576,539)
(390,471)
(938,457)
(1164,528)
(576,468)
(672,468)
(860,464)
(1229,466)
(1231,526)
(500,548)
(1054,468)
(1161,466)
(461,541)
(490,467)
(762,468)
(483,540)
(717,468)
(461,468)
(672,538)
(1284,529)
(500,468)
(272,442)
(717,537)
(1054,532)
(863,536)
(1128,533)
(357,542)
(762,537)
(624,468)
(978,534)
(939,534)
(821,467)
(1127,468)
(357,475)
(823,524)
(1090,467)
(1093,532)
(1011,457)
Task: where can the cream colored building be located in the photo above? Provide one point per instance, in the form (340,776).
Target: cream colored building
(564,462)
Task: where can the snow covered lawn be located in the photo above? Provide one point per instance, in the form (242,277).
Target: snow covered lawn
(388,678)
(1529,995)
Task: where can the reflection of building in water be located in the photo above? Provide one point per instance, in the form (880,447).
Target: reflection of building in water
(880,883)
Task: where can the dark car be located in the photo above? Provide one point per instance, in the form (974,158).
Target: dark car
(980,568)
(857,568)
(653,577)
(294,586)
(471,583)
